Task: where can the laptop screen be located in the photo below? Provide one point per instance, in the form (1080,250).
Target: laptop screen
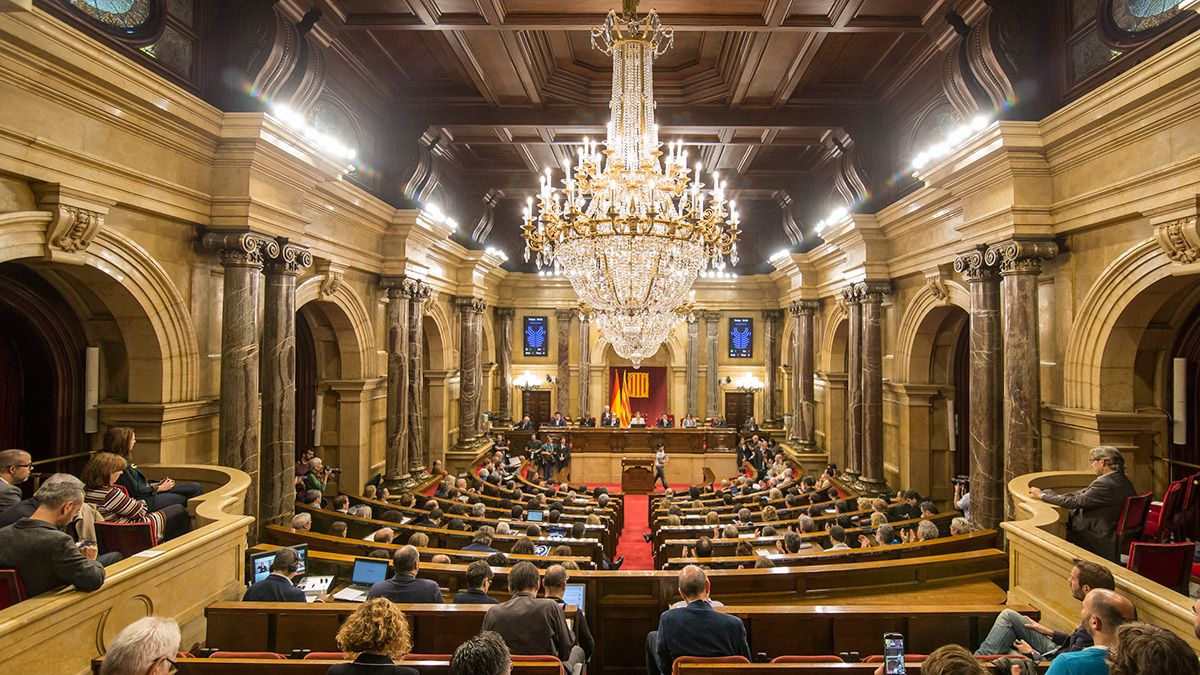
(369,571)
(573,595)
(301,549)
(260,566)
(534,516)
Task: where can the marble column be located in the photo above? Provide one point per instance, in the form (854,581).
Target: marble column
(712,328)
(771,325)
(803,394)
(277,473)
(986,404)
(504,317)
(418,451)
(242,255)
(396,441)
(1020,262)
(870,300)
(854,436)
(470,372)
(585,366)
(692,373)
(562,388)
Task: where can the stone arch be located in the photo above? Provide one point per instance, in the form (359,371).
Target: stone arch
(160,341)
(1103,344)
(438,336)
(832,355)
(345,312)
(923,318)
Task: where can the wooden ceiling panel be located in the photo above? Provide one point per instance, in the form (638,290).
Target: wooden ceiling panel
(666,8)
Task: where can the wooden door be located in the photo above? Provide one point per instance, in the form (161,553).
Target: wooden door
(536,404)
(738,406)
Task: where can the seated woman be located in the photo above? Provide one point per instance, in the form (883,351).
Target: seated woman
(376,635)
(120,441)
(116,506)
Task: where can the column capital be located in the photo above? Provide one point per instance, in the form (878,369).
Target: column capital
(417,289)
(872,291)
(849,294)
(469,304)
(710,315)
(772,313)
(395,287)
(565,314)
(799,307)
(1021,256)
(505,312)
(974,266)
(242,249)
(290,259)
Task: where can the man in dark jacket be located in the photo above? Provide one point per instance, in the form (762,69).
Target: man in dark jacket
(405,586)
(555,583)
(479,580)
(529,624)
(695,629)
(482,540)
(1096,508)
(42,554)
(278,586)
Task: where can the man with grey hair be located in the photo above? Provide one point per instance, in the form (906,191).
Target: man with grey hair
(15,467)
(302,522)
(695,629)
(479,510)
(145,647)
(482,540)
(1096,508)
(44,555)
(503,527)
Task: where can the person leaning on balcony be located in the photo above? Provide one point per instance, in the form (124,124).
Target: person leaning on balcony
(1096,508)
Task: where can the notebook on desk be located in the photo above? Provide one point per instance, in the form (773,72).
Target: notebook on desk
(367,572)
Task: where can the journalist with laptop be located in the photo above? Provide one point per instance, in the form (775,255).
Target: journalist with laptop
(277,584)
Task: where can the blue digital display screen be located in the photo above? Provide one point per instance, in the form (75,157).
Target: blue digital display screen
(536,336)
(741,338)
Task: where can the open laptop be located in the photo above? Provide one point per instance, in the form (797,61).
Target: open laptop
(367,572)
(534,516)
(260,563)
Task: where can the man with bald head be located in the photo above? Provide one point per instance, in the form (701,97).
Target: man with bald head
(695,629)
(405,586)
(1103,612)
(15,466)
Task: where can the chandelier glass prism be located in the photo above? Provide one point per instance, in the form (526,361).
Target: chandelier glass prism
(629,225)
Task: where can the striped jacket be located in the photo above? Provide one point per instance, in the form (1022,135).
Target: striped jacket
(116,506)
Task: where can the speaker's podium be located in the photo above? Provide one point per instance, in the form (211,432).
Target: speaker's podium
(637,475)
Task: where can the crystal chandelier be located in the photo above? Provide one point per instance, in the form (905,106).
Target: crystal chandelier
(631,227)
(637,335)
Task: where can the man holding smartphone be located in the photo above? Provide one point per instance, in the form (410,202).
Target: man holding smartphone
(44,555)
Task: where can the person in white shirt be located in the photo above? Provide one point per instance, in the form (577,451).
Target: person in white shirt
(660,464)
(837,535)
(689,422)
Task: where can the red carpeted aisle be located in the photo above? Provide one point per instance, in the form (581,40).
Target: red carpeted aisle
(637,553)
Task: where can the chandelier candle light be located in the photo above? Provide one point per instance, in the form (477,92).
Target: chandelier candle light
(631,227)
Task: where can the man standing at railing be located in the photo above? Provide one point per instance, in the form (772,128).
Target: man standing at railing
(1096,508)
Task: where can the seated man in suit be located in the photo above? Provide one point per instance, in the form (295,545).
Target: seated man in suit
(558,420)
(1096,508)
(529,624)
(525,423)
(44,555)
(719,423)
(278,586)
(479,580)
(586,420)
(482,540)
(664,422)
(750,424)
(695,629)
(555,585)
(405,586)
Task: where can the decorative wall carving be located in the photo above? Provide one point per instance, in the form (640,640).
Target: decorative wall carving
(483,226)
(1179,239)
(77,218)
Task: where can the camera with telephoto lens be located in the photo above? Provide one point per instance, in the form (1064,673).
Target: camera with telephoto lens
(964,481)
(335,470)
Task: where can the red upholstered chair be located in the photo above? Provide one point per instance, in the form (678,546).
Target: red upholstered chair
(1161,518)
(12,588)
(818,658)
(1133,519)
(705,659)
(124,538)
(908,658)
(1167,564)
(262,655)
(325,656)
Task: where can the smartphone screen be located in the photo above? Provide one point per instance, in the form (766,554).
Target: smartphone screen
(893,654)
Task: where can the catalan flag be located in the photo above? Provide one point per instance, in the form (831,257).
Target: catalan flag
(620,400)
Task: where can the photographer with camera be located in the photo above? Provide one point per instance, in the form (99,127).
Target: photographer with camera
(318,474)
(962,494)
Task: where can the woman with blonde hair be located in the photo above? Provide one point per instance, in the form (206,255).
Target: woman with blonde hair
(769,514)
(878,518)
(157,494)
(376,635)
(99,478)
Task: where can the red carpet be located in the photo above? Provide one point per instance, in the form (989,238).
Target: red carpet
(637,553)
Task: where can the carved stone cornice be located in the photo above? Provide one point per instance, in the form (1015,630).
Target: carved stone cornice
(799,307)
(974,266)
(470,305)
(77,218)
(333,276)
(565,314)
(242,249)
(1179,239)
(290,259)
(1020,256)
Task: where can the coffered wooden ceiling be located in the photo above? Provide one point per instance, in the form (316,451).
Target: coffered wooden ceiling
(758,87)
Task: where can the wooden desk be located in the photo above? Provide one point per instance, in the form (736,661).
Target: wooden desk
(637,475)
(599,439)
